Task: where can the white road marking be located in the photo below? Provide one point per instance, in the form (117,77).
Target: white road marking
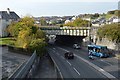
(93,65)
(96,67)
(101,70)
(106,62)
(76,71)
(69,63)
(63,49)
(57,68)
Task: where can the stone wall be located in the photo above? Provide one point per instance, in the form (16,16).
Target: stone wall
(110,44)
(103,42)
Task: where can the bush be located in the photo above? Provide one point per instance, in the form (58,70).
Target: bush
(38,45)
(110,31)
(78,23)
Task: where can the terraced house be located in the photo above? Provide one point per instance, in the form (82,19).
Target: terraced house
(6,17)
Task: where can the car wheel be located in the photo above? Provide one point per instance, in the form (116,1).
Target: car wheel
(72,57)
(100,56)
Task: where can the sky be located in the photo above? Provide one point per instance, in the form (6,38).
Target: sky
(39,8)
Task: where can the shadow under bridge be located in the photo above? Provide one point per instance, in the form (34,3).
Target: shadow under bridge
(69,40)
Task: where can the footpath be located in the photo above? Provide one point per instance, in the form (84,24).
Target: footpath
(46,69)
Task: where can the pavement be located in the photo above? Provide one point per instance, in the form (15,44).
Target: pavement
(10,61)
(46,69)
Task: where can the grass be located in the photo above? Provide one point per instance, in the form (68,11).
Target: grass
(108,16)
(7,41)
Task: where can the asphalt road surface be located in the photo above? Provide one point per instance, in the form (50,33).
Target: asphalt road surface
(81,66)
(110,64)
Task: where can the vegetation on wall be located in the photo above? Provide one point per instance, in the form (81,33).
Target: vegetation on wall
(110,31)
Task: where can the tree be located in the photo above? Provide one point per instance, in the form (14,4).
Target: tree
(24,23)
(24,38)
(38,45)
(43,22)
(117,13)
(40,34)
(110,31)
(96,15)
(110,12)
(78,23)
(28,36)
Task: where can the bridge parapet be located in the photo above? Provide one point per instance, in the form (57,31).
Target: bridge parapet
(57,27)
(73,31)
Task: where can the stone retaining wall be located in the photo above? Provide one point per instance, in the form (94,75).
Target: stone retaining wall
(19,50)
(108,43)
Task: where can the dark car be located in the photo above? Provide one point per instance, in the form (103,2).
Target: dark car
(69,55)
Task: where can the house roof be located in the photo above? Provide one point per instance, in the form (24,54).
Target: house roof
(11,15)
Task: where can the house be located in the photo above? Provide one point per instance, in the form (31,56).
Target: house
(99,22)
(67,21)
(6,17)
(87,18)
(113,19)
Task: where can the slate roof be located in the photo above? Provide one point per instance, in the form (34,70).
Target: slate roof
(5,15)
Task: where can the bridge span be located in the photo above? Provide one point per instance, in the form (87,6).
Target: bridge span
(67,35)
(72,31)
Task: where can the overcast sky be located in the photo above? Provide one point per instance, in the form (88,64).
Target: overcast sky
(58,7)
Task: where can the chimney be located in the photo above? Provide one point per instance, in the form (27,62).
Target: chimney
(8,10)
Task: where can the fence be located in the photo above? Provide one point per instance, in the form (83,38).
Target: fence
(28,69)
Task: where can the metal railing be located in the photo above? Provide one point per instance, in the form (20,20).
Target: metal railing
(28,69)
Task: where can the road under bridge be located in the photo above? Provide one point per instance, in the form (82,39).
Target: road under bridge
(69,40)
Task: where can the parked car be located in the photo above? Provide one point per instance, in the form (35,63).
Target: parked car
(69,55)
(76,46)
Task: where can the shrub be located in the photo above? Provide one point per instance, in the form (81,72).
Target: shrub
(110,31)
(38,45)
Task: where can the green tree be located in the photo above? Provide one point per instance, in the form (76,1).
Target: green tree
(13,29)
(110,12)
(24,38)
(38,45)
(28,36)
(23,24)
(43,22)
(40,34)
(78,23)
(110,31)
(117,13)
